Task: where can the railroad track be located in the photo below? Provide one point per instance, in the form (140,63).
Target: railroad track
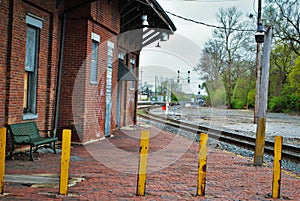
(288,151)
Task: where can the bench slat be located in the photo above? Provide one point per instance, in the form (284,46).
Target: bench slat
(42,140)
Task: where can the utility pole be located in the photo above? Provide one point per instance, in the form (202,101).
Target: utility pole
(257,67)
(263,100)
(141,79)
(155,88)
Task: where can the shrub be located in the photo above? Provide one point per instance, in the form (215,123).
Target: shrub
(238,104)
(251,98)
(285,103)
(278,104)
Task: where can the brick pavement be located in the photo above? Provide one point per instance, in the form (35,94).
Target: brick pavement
(109,168)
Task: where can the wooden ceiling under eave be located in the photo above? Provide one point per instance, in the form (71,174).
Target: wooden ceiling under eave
(131,12)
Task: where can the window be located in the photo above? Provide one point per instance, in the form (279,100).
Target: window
(131,69)
(94,59)
(94,63)
(121,56)
(31,64)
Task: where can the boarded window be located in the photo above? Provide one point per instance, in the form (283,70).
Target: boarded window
(131,69)
(31,67)
(94,62)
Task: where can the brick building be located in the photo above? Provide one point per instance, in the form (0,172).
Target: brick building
(74,63)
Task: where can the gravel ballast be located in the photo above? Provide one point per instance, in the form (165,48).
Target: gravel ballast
(239,121)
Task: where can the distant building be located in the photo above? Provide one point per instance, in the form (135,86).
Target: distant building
(74,63)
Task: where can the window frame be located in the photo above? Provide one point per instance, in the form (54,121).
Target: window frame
(31,71)
(94,59)
(131,69)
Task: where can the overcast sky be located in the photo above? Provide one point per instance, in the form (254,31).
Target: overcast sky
(182,50)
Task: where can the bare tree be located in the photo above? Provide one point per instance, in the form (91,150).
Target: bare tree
(232,37)
(211,63)
(225,58)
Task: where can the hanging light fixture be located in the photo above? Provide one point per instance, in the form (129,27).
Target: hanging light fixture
(260,34)
(144,21)
(164,36)
(158,45)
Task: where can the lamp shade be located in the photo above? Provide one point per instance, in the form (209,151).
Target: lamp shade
(164,36)
(144,21)
(259,37)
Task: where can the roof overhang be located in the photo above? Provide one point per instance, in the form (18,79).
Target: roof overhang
(136,36)
(132,10)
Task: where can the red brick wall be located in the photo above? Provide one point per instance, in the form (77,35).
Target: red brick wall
(75,49)
(53,69)
(107,15)
(104,24)
(95,95)
(87,118)
(46,60)
(98,17)
(4,16)
(12,60)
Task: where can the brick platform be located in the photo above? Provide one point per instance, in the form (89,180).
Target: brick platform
(108,169)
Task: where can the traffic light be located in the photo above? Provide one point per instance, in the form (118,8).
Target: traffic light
(189,78)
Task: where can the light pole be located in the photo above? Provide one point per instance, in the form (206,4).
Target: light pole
(168,96)
(141,85)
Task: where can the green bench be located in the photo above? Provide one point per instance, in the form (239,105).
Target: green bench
(28,134)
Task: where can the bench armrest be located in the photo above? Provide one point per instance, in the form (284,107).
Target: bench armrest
(16,136)
(51,132)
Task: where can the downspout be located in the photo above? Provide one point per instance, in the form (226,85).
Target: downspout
(60,62)
(61,53)
(8,61)
(136,92)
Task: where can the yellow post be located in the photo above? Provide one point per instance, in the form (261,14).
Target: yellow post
(2,158)
(202,164)
(144,146)
(260,142)
(277,167)
(64,163)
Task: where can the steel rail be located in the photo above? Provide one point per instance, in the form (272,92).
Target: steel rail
(288,151)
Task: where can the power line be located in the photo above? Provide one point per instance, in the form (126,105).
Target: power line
(208,25)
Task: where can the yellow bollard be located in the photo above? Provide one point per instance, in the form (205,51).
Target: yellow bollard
(144,146)
(277,167)
(2,158)
(260,142)
(202,164)
(64,163)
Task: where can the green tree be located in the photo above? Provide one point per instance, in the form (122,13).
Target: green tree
(288,100)
(294,76)
(281,65)
(284,15)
